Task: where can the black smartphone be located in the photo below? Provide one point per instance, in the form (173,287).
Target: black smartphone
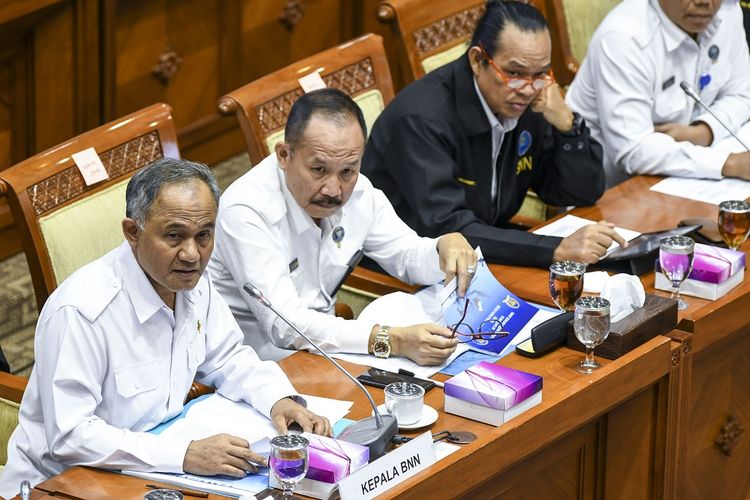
(380,378)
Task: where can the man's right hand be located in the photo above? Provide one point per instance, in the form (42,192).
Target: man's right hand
(737,165)
(426,344)
(588,244)
(221,454)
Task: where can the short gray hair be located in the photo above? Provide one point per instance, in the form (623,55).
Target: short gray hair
(145,185)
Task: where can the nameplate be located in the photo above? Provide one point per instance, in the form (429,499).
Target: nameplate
(90,166)
(311,82)
(389,470)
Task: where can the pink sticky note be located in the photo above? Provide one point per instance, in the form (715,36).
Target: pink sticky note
(312,81)
(90,166)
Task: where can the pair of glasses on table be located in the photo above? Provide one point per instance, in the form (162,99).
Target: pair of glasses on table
(488,329)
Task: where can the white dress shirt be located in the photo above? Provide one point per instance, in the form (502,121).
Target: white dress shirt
(113,361)
(263,236)
(498,134)
(630,81)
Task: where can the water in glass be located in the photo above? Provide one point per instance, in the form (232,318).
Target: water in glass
(288,460)
(734,222)
(566,283)
(591,325)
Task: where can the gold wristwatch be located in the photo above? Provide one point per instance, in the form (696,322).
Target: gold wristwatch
(382,345)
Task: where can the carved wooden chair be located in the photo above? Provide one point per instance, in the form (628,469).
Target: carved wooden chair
(360,69)
(65,224)
(430,34)
(11,393)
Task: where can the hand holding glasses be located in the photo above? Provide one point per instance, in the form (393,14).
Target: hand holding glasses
(288,461)
(734,222)
(676,261)
(488,330)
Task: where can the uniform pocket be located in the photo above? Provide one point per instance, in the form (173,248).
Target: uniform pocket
(137,378)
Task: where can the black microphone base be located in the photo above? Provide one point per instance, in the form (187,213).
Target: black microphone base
(366,433)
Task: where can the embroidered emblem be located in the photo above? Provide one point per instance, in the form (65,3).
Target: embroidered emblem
(468,182)
(524,164)
(524,142)
(293,265)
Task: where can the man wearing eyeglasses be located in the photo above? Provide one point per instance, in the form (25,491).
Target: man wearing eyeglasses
(458,149)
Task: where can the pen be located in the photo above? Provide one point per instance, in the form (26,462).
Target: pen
(353,262)
(188,493)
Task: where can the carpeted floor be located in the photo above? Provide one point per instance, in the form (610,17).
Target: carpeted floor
(18,311)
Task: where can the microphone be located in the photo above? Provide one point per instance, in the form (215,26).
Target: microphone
(690,91)
(375,432)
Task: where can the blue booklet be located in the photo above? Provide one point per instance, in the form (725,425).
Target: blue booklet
(494,316)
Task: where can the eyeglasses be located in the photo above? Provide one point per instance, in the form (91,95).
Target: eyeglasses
(488,330)
(519,83)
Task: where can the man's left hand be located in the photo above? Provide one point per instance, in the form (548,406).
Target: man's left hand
(286,411)
(457,258)
(551,105)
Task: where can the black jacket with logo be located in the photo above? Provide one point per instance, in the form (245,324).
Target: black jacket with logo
(430,152)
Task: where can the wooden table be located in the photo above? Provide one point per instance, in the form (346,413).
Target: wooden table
(716,376)
(591,436)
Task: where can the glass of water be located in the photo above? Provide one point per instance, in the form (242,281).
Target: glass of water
(288,461)
(591,324)
(676,262)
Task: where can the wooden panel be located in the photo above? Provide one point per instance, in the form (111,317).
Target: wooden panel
(145,31)
(566,469)
(721,377)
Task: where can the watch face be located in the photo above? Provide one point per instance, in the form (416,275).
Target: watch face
(381,349)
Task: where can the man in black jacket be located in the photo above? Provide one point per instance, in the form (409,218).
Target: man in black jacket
(458,149)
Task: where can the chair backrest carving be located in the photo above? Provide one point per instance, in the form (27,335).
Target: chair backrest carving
(64,223)
(358,67)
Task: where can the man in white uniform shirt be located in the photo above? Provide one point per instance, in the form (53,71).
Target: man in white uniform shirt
(119,343)
(628,88)
(292,224)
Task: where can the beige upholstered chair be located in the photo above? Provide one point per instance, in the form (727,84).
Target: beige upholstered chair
(432,33)
(64,223)
(11,393)
(358,68)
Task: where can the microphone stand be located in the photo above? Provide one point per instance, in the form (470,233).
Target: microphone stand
(690,91)
(375,432)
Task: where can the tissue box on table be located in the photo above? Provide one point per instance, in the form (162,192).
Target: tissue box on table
(329,461)
(491,393)
(714,264)
(715,272)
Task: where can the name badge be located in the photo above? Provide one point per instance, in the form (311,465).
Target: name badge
(667,83)
(389,470)
(293,265)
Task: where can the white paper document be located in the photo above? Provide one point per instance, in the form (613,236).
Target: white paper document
(214,414)
(705,190)
(565,226)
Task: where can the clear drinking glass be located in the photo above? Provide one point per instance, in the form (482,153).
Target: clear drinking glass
(591,324)
(288,461)
(566,283)
(734,222)
(676,262)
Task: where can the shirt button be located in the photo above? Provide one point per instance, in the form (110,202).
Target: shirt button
(137,384)
(579,145)
(567,146)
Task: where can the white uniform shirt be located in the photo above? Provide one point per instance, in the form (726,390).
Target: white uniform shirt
(630,80)
(113,361)
(263,236)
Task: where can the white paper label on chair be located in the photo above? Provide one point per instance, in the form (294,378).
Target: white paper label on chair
(390,469)
(313,81)
(91,166)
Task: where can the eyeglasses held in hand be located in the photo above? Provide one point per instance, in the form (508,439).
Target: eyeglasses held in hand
(488,330)
(519,83)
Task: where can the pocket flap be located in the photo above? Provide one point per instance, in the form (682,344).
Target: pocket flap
(137,378)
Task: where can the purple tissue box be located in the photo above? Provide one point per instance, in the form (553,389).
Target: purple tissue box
(714,264)
(330,460)
(494,386)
